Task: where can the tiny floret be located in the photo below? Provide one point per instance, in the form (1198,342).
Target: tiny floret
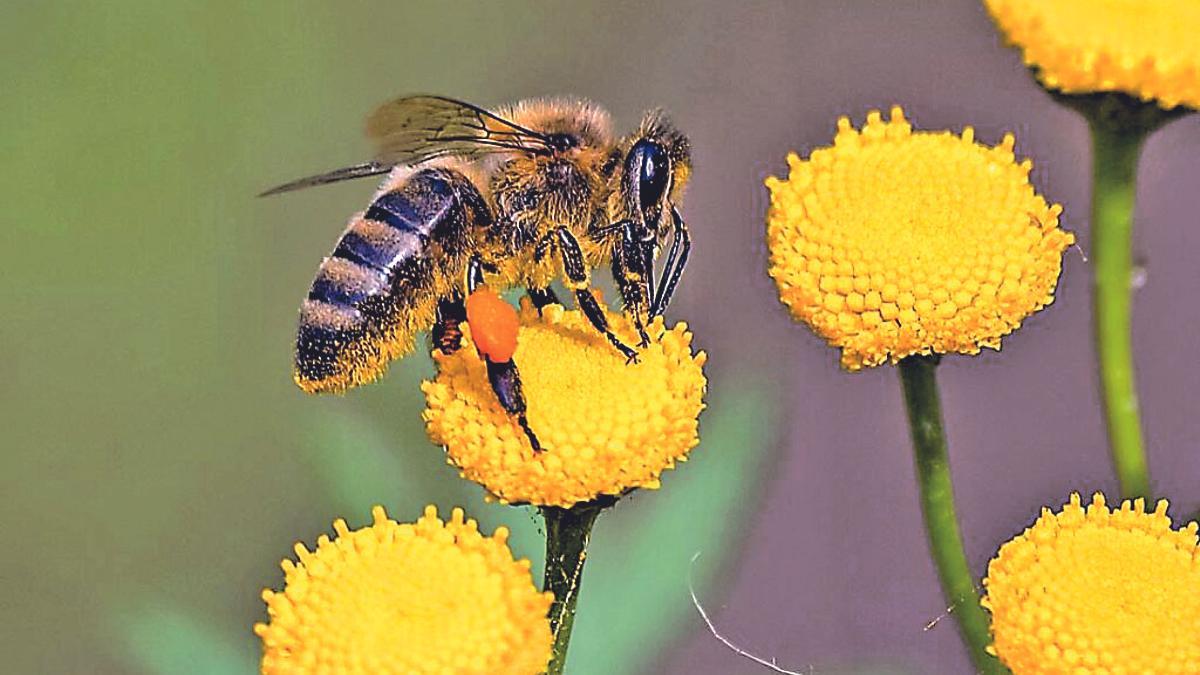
(1093,590)
(605,426)
(424,597)
(894,242)
(1148,48)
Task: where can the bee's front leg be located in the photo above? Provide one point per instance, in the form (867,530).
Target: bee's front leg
(681,247)
(633,271)
(576,272)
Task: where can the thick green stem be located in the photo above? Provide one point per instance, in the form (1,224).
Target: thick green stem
(918,375)
(567,535)
(1114,170)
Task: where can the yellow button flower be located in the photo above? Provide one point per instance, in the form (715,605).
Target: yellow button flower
(429,597)
(605,426)
(893,242)
(1145,48)
(1097,591)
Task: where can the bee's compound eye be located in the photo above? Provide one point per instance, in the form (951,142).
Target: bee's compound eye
(653,172)
(493,325)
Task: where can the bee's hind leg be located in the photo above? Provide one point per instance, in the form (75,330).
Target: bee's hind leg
(452,310)
(575,269)
(506,382)
(447,334)
(474,273)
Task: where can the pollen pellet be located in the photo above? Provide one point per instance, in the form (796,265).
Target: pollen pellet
(927,229)
(493,324)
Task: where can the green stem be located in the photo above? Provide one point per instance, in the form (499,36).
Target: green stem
(567,535)
(918,376)
(1114,174)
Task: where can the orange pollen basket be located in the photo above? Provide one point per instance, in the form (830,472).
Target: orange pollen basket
(493,325)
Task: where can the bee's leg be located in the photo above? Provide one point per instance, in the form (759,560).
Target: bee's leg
(506,382)
(576,272)
(634,279)
(681,246)
(475,269)
(595,314)
(542,297)
(647,250)
(600,232)
(543,246)
(447,335)
(451,311)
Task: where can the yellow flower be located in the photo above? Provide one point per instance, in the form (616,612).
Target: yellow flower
(894,242)
(605,426)
(1145,48)
(1098,591)
(429,597)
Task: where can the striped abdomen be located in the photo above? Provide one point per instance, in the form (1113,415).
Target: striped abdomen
(381,284)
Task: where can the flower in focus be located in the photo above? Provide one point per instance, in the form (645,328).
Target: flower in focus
(605,426)
(1097,591)
(893,242)
(1147,49)
(429,597)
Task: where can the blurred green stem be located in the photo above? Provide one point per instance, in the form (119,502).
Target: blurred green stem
(1115,153)
(567,534)
(919,378)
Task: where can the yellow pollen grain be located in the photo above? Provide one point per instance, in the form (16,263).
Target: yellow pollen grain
(1093,591)
(605,426)
(1144,48)
(895,242)
(392,598)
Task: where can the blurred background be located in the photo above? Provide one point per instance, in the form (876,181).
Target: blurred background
(157,462)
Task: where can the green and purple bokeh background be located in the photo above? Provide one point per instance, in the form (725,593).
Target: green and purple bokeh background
(157,461)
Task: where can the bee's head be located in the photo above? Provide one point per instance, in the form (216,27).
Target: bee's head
(656,169)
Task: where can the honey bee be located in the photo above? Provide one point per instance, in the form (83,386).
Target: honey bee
(530,193)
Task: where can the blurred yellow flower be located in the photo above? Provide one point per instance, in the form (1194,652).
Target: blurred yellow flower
(1098,591)
(893,242)
(429,597)
(1145,48)
(605,426)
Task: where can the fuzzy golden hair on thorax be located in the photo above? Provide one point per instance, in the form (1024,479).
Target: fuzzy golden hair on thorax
(540,191)
(588,122)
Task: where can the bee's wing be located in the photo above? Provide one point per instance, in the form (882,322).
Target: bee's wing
(414,129)
(356,171)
